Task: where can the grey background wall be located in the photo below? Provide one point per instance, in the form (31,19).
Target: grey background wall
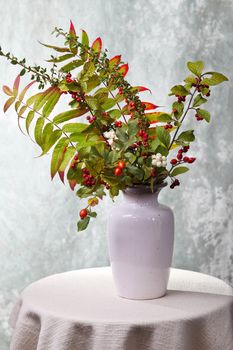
(38,218)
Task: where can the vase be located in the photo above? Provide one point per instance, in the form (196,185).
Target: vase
(140,234)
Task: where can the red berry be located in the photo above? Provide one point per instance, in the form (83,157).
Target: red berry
(181,151)
(121,164)
(68,75)
(185,149)
(107,186)
(179,156)
(186,159)
(118,124)
(83,213)
(141,133)
(88,117)
(69,80)
(118,171)
(73,95)
(191,160)
(173,161)
(76,157)
(78,99)
(94,117)
(132,105)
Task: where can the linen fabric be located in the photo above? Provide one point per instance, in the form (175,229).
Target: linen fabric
(80,310)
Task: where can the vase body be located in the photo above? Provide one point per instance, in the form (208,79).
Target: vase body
(140,241)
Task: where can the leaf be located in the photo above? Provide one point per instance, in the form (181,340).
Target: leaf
(179,170)
(114,61)
(23,92)
(51,103)
(40,99)
(196,67)
(72,29)
(83,223)
(92,102)
(199,100)
(178,108)
(92,214)
(135,171)
(51,140)
(74,127)
(115,113)
(149,105)
(97,45)
(65,116)
(29,119)
(22,110)
(191,79)
(109,103)
(187,136)
(7,90)
(204,114)
(46,134)
(58,155)
(179,90)
(38,131)
(85,39)
(67,157)
(163,136)
(56,48)
(215,79)
(16,86)
(123,70)
(61,58)
(71,65)
(164,117)
(8,103)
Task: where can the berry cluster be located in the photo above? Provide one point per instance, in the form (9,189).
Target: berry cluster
(168,126)
(88,179)
(120,166)
(91,119)
(144,136)
(74,162)
(198,117)
(118,124)
(179,156)
(175,183)
(158,160)
(180,98)
(69,78)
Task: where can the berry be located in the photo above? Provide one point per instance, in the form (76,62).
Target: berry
(132,105)
(68,75)
(118,124)
(185,149)
(121,164)
(94,117)
(191,160)
(179,156)
(141,133)
(83,213)
(88,117)
(186,159)
(107,186)
(118,171)
(76,157)
(78,99)
(175,183)
(120,91)
(173,161)
(68,80)
(74,96)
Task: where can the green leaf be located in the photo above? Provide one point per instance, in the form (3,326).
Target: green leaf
(164,117)
(190,79)
(179,108)
(29,119)
(51,103)
(92,214)
(163,136)
(56,48)
(92,102)
(109,103)
(215,79)
(61,58)
(199,100)
(85,39)
(67,157)
(40,99)
(74,127)
(83,223)
(38,131)
(115,113)
(196,67)
(58,155)
(136,172)
(22,110)
(187,136)
(71,65)
(51,140)
(71,114)
(179,90)
(204,114)
(179,170)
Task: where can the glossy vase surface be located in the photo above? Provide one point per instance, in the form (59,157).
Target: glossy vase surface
(140,240)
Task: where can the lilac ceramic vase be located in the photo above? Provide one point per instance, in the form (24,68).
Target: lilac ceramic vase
(140,240)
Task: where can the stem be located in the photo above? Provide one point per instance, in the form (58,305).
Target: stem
(185,113)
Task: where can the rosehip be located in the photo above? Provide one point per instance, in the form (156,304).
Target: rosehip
(83,213)
(121,164)
(173,161)
(118,171)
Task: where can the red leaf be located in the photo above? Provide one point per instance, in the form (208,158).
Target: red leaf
(61,175)
(72,183)
(7,90)
(8,104)
(16,85)
(123,69)
(114,61)
(149,105)
(97,45)
(141,88)
(22,94)
(72,29)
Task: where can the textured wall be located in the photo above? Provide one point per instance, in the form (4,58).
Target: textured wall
(38,218)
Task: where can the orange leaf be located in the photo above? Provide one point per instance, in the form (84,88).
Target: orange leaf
(141,88)
(72,29)
(114,61)
(97,45)
(123,70)
(72,183)
(8,103)
(23,92)
(7,90)
(16,85)
(149,105)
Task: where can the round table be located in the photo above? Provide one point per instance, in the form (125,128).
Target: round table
(79,310)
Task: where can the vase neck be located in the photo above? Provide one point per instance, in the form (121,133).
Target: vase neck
(142,195)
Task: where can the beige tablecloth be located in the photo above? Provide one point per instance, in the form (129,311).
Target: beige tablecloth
(79,310)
